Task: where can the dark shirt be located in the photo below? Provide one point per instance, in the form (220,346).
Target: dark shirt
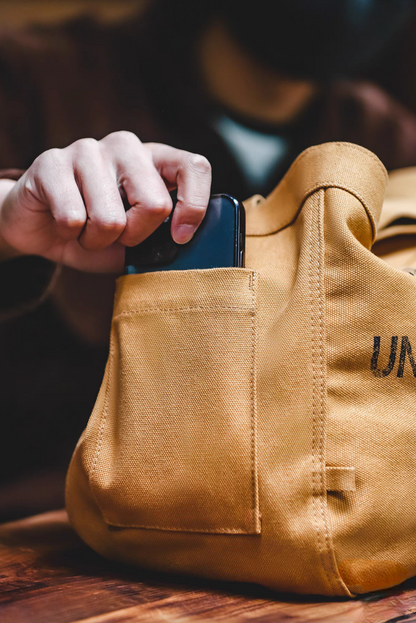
(86,79)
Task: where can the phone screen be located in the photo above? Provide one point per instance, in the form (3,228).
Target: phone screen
(218,242)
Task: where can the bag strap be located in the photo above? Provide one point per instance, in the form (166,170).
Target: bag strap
(331,165)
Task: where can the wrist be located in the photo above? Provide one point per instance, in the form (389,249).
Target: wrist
(7,252)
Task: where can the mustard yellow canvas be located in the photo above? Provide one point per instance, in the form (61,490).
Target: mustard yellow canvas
(259,424)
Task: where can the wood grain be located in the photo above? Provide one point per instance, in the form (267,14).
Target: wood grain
(47,575)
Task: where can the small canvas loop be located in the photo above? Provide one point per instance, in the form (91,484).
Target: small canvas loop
(340,478)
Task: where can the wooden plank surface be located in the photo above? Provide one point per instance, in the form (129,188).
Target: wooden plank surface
(48,576)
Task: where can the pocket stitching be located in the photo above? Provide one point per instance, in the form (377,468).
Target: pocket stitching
(144,310)
(254,475)
(103,419)
(255,520)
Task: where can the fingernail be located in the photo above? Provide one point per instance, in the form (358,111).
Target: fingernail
(183,233)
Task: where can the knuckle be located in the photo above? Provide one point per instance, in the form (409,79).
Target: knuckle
(86,145)
(111,224)
(45,175)
(150,146)
(199,163)
(161,207)
(72,222)
(123,136)
(126,135)
(48,159)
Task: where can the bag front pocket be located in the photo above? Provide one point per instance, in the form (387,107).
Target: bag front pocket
(176,446)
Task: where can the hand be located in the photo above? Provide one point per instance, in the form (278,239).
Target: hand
(68,206)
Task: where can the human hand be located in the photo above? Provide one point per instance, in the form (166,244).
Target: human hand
(68,206)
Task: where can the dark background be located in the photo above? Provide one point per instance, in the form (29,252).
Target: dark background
(19,12)
(395,70)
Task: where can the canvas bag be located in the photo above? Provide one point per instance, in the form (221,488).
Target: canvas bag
(259,424)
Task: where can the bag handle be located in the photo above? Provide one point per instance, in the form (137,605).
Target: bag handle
(339,165)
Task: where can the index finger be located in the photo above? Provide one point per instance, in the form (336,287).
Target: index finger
(191,175)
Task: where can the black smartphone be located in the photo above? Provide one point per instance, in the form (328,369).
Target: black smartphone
(218,242)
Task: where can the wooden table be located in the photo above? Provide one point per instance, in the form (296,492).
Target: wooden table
(47,575)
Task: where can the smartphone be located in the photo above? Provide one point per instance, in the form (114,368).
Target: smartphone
(218,242)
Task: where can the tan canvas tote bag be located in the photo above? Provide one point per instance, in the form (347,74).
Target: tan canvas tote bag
(259,424)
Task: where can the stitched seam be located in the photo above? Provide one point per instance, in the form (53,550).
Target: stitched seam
(254,476)
(103,417)
(322,499)
(145,310)
(315,398)
(322,396)
(179,529)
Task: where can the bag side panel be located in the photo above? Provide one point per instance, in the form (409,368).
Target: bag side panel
(371,403)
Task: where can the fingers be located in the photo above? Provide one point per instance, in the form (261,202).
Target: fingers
(82,186)
(96,179)
(79,186)
(52,182)
(146,172)
(145,190)
(191,175)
